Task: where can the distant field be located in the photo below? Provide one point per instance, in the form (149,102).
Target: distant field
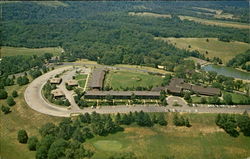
(215,48)
(150,14)
(46,3)
(13,51)
(130,79)
(151,69)
(204,140)
(216,22)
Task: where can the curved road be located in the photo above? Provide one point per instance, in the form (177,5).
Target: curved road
(34,99)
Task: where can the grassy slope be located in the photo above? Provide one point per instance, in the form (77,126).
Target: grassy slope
(12,51)
(215,48)
(216,22)
(21,117)
(117,79)
(204,140)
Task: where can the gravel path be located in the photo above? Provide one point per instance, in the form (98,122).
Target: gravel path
(34,99)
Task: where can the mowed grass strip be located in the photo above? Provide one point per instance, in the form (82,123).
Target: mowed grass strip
(131,79)
(13,51)
(216,22)
(214,47)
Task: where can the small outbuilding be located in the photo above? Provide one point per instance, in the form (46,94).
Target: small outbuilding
(57,93)
(55,80)
(72,82)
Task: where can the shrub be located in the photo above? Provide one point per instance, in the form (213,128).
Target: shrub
(10,101)
(22,136)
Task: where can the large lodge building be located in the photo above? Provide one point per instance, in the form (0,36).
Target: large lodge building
(175,87)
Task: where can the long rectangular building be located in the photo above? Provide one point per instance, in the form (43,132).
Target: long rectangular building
(97,79)
(122,94)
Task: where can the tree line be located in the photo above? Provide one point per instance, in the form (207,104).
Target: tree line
(65,139)
(234,124)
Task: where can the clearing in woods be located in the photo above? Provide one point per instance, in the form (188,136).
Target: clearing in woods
(13,51)
(217,13)
(216,22)
(211,48)
(148,14)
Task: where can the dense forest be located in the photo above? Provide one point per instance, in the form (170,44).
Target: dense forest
(100,30)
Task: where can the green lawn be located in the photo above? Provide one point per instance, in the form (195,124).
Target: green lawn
(81,78)
(123,79)
(13,51)
(214,47)
(237,98)
(204,140)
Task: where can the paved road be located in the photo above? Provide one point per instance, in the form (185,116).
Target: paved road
(34,99)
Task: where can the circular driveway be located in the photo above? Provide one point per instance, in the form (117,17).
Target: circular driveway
(34,99)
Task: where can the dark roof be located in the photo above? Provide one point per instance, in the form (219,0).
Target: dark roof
(122,93)
(97,78)
(160,88)
(185,86)
(174,89)
(175,81)
(177,84)
(206,91)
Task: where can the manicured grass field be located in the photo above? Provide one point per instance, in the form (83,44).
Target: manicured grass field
(204,140)
(214,47)
(13,51)
(216,22)
(123,79)
(21,117)
(81,79)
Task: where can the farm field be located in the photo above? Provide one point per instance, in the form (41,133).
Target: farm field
(148,14)
(21,117)
(13,51)
(216,22)
(131,79)
(214,47)
(204,140)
